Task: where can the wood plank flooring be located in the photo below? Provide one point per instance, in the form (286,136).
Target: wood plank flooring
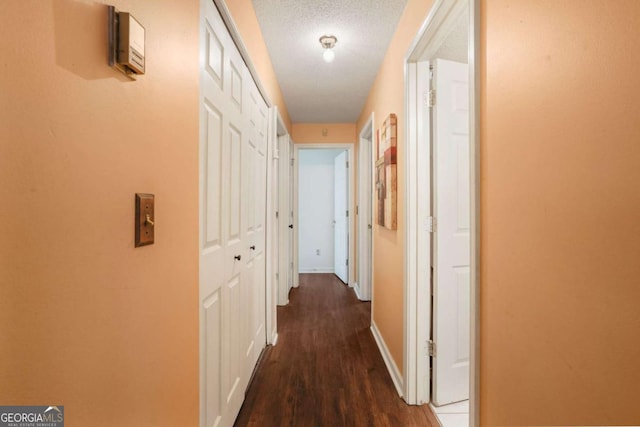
(326,369)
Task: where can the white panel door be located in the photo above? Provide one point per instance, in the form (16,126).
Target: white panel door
(254,215)
(232,222)
(293,230)
(275,220)
(220,233)
(452,238)
(340,206)
(365,217)
(285,220)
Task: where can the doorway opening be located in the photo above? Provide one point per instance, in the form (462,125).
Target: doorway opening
(442,215)
(323,196)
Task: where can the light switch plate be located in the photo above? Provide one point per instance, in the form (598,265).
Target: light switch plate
(145,219)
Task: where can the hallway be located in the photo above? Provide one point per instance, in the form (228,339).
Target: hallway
(326,369)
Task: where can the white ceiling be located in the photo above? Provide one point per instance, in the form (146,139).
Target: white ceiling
(314,91)
(455,45)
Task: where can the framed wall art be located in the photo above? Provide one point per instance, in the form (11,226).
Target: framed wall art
(386,173)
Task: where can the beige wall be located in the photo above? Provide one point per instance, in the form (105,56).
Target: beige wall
(86,320)
(387,96)
(244,16)
(560,209)
(323,133)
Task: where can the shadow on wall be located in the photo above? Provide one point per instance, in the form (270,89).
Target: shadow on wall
(80,31)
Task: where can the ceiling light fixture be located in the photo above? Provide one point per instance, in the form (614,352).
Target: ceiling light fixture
(328,42)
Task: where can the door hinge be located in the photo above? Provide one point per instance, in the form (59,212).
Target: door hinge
(357,210)
(432,98)
(346,262)
(277,214)
(291,162)
(431,348)
(431,224)
(277,276)
(347,214)
(431,280)
(347,164)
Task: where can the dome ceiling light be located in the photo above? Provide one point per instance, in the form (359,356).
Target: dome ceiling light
(328,42)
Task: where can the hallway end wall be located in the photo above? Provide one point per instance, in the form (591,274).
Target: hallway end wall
(386,97)
(560,203)
(86,320)
(323,133)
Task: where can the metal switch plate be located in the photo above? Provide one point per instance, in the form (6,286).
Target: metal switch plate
(145,219)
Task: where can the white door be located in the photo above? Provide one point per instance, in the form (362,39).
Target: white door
(365,213)
(253,217)
(293,230)
(276,242)
(341,243)
(231,223)
(452,238)
(285,220)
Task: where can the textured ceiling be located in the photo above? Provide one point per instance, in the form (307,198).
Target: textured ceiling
(314,91)
(455,46)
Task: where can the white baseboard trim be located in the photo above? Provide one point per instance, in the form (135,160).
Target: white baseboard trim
(356,289)
(274,338)
(433,409)
(394,372)
(316,270)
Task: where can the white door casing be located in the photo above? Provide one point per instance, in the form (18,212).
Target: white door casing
(233,134)
(340,221)
(452,232)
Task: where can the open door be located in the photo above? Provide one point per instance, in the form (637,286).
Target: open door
(451,241)
(284,220)
(341,200)
(365,213)
(293,280)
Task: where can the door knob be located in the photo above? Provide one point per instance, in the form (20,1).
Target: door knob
(290,225)
(253,248)
(238,257)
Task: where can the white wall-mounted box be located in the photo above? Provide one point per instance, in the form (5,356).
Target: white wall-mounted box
(130,43)
(126,43)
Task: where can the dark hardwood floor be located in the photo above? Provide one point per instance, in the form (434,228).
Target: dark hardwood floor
(325,369)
